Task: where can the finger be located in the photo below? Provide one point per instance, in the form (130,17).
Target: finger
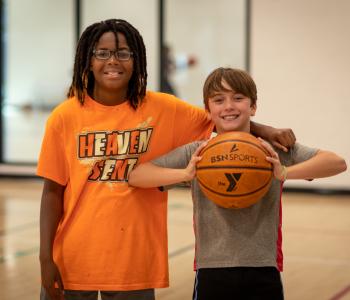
(288,139)
(280,146)
(58,295)
(272,160)
(292,136)
(60,285)
(195,159)
(200,147)
(53,293)
(268,148)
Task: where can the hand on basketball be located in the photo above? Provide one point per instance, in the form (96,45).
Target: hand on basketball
(273,159)
(282,138)
(191,167)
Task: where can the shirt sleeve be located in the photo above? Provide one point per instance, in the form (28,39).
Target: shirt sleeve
(178,158)
(297,154)
(52,163)
(191,124)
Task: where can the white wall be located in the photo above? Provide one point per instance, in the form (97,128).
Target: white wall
(39,51)
(213,31)
(300,61)
(143,15)
(40,44)
(39,56)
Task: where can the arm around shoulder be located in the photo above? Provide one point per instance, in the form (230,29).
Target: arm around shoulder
(282,138)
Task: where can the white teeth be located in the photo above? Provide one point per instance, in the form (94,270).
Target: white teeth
(114,73)
(229,118)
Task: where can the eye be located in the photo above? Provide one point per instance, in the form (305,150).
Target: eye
(102,53)
(217,100)
(124,54)
(239,97)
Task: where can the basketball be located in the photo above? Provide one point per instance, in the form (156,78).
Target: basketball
(233,171)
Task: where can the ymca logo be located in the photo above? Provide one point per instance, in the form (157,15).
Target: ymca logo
(233,179)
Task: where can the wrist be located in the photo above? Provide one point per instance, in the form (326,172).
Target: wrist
(45,257)
(284,173)
(187,175)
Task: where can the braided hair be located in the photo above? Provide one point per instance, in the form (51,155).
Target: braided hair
(83,80)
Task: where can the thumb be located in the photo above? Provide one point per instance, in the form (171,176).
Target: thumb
(59,281)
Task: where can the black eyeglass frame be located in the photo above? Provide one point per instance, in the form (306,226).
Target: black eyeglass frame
(113,52)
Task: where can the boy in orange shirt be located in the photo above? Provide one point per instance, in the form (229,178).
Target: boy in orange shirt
(96,232)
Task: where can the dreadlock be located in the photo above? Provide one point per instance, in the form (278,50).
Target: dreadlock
(83,80)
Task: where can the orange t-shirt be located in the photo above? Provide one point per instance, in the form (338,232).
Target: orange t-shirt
(112,236)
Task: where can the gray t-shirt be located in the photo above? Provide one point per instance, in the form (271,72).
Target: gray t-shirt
(248,237)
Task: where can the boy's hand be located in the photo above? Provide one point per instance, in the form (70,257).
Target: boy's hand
(274,160)
(191,167)
(50,277)
(281,138)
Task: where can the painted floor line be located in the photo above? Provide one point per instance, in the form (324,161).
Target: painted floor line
(18,254)
(31,225)
(341,293)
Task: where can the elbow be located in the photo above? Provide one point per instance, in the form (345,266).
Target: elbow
(337,163)
(341,165)
(344,166)
(136,179)
(131,179)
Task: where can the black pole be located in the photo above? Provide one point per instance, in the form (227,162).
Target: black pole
(247,34)
(161,11)
(2,45)
(77,9)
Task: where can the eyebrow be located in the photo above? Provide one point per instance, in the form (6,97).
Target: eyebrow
(221,93)
(120,48)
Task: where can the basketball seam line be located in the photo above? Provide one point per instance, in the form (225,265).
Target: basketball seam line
(233,167)
(240,195)
(232,140)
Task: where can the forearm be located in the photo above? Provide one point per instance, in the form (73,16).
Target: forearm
(323,164)
(51,211)
(260,130)
(148,175)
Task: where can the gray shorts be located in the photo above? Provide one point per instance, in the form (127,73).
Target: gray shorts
(105,295)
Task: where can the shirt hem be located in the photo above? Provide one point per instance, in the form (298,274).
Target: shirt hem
(114,287)
(232,265)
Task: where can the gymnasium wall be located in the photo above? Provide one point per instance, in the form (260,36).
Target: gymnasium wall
(300,59)
(40,47)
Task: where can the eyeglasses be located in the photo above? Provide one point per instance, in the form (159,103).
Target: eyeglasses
(104,54)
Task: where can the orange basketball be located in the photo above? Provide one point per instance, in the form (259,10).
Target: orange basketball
(233,171)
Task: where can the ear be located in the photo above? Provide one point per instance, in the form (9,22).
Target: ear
(253,109)
(208,114)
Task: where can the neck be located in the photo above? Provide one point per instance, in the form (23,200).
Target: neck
(109,99)
(245,129)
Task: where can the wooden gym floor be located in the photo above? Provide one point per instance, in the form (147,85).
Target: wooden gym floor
(316,244)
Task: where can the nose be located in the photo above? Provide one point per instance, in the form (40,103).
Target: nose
(113,58)
(229,104)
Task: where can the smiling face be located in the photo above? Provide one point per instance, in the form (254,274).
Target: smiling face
(111,75)
(230,111)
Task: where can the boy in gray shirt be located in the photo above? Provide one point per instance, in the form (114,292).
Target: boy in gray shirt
(238,251)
